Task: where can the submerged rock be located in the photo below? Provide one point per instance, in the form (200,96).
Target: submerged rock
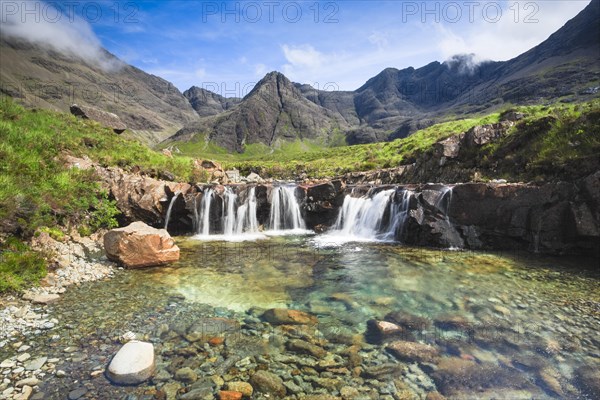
(455,375)
(284,316)
(381,331)
(413,351)
(133,364)
(268,383)
(139,245)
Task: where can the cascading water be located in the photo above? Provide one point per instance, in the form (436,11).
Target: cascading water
(229,214)
(285,211)
(246,215)
(443,201)
(238,219)
(204,225)
(168,217)
(363,218)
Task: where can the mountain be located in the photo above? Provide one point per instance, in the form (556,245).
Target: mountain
(565,67)
(37,76)
(207,103)
(275,110)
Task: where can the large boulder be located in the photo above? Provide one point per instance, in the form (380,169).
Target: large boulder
(107,119)
(139,245)
(133,364)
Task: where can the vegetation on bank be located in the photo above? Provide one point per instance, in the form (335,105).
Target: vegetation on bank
(39,193)
(564,135)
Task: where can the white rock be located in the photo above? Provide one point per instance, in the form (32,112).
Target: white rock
(35,364)
(8,363)
(41,298)
(133,364)
(23,357)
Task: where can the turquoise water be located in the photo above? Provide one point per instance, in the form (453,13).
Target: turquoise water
(511,307)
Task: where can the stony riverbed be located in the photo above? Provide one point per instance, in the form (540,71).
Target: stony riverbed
(473,325)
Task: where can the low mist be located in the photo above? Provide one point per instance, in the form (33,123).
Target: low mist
(69,35)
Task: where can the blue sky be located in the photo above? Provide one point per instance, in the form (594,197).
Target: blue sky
(227,46)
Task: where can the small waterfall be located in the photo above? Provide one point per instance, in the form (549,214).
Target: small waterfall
(229,214)
(443,201)
(246,215)
(398,216)
(285,210)
(168,217)
(371,217)
(236,219)
(204,225)
(361,217)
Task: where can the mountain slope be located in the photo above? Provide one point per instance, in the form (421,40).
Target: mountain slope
(273,111)
(207,103)
(150,106)
(564,66)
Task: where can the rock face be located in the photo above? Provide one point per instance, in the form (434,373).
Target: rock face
(107,119)
(133,364)
(139,245)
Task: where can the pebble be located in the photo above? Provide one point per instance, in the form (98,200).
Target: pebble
(23,357)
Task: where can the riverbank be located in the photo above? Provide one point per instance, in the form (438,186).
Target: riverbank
(26,317)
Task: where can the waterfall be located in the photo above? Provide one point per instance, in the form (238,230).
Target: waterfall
(238,219)
(285,210)
(371,217)
(229,214)
(444,199)
(204,225)
(398,216)
(246,215)
(168,217)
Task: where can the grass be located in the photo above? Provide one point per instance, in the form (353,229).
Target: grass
(20,266)
(38,192)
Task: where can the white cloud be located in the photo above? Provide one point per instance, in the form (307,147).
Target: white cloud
(50,29)
(260,70)
(302,56)
(379,39)
(513,34)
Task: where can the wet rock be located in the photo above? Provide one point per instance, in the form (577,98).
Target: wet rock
(588,380)
(133,364)
(452,322)
(454,375)
(549,378)
(243,387)
(229,395)
(383,371)
(284,316)
(76,394)
(413,351)
(349,393)
(268,383)
(303,347)
(408,321)
(139,245)
(381,331)
(434,396)
(186,375)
